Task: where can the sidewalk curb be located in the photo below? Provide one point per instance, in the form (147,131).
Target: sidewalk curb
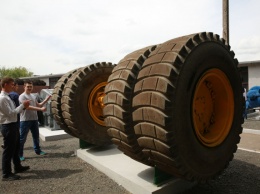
(252,131)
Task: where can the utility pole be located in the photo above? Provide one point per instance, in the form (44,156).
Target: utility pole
(225,12)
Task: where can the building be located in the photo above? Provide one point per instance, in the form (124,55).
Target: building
(50,80)
(249,70)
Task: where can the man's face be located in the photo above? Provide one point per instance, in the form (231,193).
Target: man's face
(9,87)
(28,88)
(15,87)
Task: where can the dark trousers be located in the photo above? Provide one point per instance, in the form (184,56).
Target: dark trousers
(11,139)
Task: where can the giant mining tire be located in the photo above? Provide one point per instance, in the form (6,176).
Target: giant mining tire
(82,103)
(118,103)
(188,106)
(56,102)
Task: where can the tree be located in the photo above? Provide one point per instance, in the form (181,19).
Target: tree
(15,72)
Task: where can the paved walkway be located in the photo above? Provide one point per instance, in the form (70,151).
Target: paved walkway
(250,140)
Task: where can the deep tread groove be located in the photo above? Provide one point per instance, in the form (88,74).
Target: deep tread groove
(74,103)
(118,101)
(56,102)
(154,122)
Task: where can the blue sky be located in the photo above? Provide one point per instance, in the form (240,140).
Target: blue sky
(56,36)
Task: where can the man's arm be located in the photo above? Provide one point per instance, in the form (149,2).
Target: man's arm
(43,109)
(7,109)
(43,102)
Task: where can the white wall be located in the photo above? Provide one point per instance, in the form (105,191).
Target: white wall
(253,75)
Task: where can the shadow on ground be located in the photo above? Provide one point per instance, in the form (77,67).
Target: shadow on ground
(239,177)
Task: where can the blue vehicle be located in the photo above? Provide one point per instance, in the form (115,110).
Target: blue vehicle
(253,98)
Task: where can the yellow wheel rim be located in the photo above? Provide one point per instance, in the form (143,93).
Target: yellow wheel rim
(95,103)
(213,108)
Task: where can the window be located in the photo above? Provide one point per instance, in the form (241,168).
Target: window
(244,76)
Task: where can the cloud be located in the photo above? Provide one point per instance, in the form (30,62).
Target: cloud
(248,48)
(49,36)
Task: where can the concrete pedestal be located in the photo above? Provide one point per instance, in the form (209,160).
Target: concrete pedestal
(135,177)
(48,135)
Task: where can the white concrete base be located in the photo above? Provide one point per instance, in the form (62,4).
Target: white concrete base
(255,115)
(252,131)
(135,177)
(48,135)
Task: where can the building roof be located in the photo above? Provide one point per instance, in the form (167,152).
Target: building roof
(43,76)
(241,64)
(248,63)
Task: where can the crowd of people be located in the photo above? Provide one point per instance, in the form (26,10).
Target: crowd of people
(18,115)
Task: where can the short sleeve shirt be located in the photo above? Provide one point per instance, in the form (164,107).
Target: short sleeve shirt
(28,115)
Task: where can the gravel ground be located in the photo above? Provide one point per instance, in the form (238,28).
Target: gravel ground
(60,171)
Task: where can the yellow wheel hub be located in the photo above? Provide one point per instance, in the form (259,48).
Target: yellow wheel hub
(95,103)
(213,108)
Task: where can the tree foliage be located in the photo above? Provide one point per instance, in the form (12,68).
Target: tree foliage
(15,72)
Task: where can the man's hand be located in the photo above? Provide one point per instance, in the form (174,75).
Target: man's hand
(43,109)
(26,103)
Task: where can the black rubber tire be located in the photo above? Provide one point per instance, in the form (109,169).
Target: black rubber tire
(118,101)
(75,98)
(56,102)
(163,106)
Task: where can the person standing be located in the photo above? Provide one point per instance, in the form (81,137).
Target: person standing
(15,97)
(29,119)
(10,131)
(246,102)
